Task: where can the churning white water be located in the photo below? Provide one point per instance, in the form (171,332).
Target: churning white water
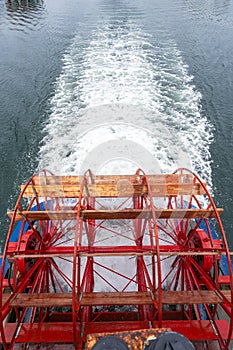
(124,96)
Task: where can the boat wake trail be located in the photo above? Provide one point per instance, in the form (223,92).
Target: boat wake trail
(125,100)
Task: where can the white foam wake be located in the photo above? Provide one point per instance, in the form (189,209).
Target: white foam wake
(122,96)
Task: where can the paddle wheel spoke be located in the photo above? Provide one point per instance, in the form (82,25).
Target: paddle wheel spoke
(106,254)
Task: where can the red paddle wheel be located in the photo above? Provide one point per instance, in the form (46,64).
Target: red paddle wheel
(129,259)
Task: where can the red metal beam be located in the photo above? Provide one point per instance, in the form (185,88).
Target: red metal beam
(60,332)
(116,250)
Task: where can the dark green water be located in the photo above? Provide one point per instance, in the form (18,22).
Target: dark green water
(68,67)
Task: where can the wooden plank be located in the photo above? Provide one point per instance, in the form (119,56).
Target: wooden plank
(66,191)
(44,215)
(65,299)
(190,297)
(118,298)
(111,179)
(106,190)
(140,298)
(115,214)
(146,214)
(42,299)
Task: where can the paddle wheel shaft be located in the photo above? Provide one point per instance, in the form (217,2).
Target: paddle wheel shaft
(139,258)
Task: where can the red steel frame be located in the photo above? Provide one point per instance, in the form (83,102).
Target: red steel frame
(62,273)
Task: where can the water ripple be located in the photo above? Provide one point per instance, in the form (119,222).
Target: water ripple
(24,15)
(209,11)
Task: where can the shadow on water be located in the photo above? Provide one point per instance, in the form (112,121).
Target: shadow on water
(24,12)
(13,6)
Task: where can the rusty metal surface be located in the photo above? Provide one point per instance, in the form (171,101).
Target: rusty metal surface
(135,340)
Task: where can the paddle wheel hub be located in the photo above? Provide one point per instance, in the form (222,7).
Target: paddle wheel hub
(29,242)
(200,240)
(132,260)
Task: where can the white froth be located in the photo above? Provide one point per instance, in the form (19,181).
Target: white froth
(121,85)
